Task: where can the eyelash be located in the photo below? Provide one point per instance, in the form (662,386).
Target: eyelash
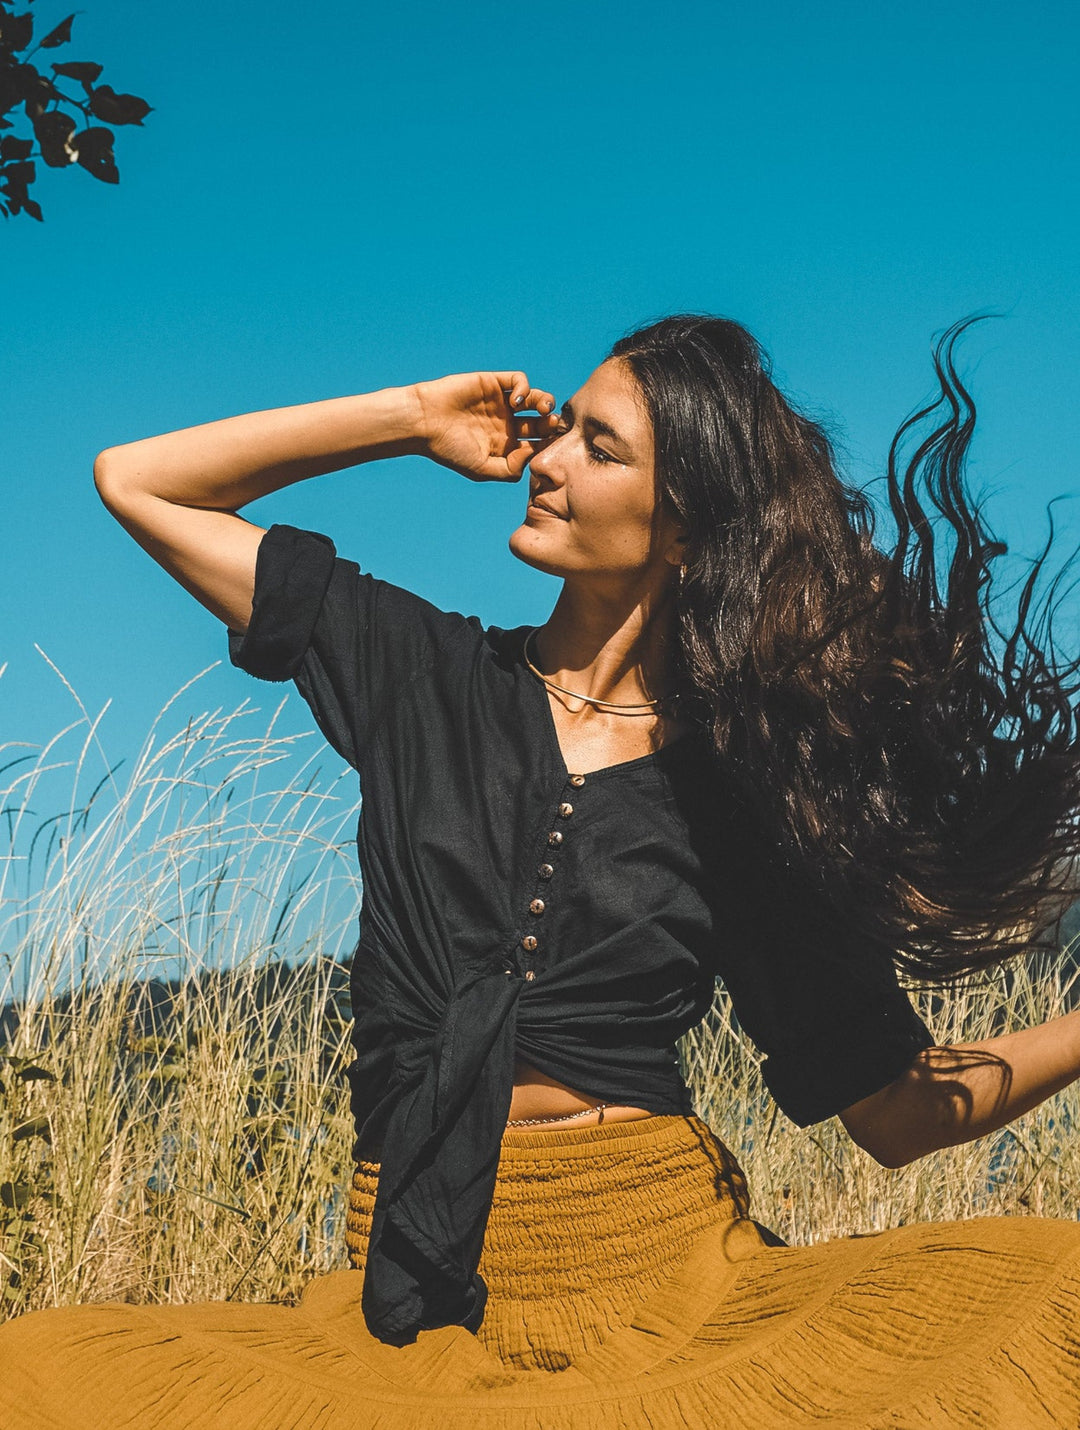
(597,455)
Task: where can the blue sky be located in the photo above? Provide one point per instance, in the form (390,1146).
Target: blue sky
(335,199)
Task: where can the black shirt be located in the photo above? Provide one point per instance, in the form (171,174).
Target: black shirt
(511,905)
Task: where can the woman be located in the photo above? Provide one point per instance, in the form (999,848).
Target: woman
(747,743)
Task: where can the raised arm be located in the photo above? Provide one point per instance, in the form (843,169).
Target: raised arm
(962,1091)
(178,494)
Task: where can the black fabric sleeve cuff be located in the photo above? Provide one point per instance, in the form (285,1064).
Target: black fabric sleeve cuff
(810,1088)
(292,572)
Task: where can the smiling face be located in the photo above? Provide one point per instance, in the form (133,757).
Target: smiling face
(600,511)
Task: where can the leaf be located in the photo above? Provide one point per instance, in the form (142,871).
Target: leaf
(92,143)
(36,1126)
(16,83)
(115,108)
(94,150)
(59,36)
(16,31)
(40,94)
(12,148)
(53,130)
(19,174)
(85,71)
(15,1195)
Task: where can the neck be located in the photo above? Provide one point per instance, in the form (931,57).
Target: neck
(625,656)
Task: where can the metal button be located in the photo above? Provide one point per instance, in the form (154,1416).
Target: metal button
(566,809)
(546,870)
(530,975)
(529,943)
(537,906)
(555,838)
(577,781)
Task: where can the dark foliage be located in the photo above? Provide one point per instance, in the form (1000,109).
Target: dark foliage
(37,101)
(155,1008)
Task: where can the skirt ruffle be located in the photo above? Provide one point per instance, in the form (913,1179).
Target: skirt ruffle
(628,1287)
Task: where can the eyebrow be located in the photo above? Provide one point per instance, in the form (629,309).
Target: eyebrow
(595,424)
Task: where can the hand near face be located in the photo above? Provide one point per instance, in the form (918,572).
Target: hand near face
(469,422)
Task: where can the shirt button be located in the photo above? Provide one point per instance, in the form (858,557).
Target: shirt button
(546,870)
(577,781)
(566,809)
(529,943)
(537,906)
(555,838)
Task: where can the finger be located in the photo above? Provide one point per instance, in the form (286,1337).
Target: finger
(520,457)
(539,399)
(522,396)
(516,387)
(542,426)
(518,460)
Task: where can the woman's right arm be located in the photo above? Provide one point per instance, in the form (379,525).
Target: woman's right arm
(178,494)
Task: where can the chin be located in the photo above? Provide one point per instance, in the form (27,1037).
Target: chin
(523,544)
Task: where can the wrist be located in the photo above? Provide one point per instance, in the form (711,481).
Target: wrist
(428,403)
(394,417)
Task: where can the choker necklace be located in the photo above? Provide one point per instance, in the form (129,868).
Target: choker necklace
(611,704)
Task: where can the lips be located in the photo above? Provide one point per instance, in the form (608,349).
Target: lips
(542,506)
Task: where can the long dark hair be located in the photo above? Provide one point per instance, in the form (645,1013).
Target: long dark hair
(918,762)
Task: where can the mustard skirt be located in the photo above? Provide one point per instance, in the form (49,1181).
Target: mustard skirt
(629,1289)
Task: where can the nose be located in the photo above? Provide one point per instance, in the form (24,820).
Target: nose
(541,460)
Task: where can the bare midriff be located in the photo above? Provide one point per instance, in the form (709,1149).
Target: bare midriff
(537,1095)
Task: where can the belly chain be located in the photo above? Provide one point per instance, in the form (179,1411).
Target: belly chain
(564,1117)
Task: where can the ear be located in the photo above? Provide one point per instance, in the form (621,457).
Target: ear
(676,552)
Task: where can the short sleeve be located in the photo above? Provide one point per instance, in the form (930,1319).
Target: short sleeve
(823,1005)
(345,638)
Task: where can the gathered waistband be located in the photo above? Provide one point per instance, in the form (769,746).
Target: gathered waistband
(585,1220)
(660,1130)
(645,1135)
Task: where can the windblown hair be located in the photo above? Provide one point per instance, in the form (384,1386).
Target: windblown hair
(920,764)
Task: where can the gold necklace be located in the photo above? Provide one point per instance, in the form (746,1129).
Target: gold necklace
(612,704)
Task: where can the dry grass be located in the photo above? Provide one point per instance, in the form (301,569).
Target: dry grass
(814,1184)
(174,1124)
